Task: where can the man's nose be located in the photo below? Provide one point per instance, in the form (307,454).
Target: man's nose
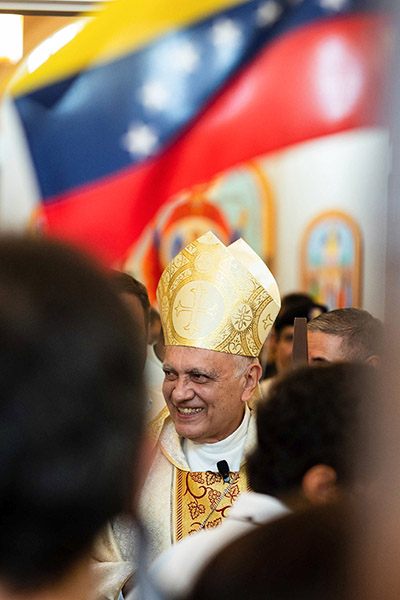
(183,390)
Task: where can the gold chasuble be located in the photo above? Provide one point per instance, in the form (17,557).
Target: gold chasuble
(185,501)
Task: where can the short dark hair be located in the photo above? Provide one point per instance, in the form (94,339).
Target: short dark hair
(362,334)
(70,408)
(290,300)
(311,416)
(307,309)
(127,284)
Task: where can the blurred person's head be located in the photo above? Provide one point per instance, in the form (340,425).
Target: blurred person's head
(70,432)
(284,329)
(306,428)
(135,296)
(287,301)
(294,298)
(345,334)
(305,555)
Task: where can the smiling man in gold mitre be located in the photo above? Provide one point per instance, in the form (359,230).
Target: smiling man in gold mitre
(217,305)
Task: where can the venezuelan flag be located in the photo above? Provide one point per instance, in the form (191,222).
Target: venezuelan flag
(151,98)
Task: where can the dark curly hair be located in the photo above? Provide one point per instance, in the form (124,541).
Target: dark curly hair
(311,416)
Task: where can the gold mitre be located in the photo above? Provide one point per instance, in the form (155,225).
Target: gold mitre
(217,297)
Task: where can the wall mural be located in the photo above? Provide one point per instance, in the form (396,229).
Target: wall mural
(331,260)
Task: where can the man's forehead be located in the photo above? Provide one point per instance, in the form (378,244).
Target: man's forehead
(324,345)
(196,357)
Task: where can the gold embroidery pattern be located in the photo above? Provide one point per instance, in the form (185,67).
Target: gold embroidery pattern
(196,495)
(211,300)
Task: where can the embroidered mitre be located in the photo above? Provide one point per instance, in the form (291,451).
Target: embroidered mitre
(218,297)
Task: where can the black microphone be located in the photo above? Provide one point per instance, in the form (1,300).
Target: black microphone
(223,469)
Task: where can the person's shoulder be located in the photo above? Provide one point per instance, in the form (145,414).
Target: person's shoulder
(191,551)
(187,548)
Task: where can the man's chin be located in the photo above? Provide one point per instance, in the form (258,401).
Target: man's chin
(187,432)
(190,433)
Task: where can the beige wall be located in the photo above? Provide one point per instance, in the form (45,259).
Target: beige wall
(346,172)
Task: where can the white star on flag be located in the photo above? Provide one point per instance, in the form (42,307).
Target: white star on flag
(333,4)
(154,95)
(225,33)
(140,140)
(268,13)
(184,57)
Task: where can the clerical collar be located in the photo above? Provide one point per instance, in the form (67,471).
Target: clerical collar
(204,457)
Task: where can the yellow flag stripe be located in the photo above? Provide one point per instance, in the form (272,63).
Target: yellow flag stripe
(122,27)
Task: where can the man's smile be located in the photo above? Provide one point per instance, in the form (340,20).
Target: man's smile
(189,411)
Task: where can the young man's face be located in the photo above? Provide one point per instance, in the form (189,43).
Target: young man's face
(205,398)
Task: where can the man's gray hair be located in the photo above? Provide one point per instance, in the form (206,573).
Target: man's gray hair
(241,363)
(362,334)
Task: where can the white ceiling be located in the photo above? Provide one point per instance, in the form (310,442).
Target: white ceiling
(50,7)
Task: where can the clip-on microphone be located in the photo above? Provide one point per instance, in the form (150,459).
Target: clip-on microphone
(223,469)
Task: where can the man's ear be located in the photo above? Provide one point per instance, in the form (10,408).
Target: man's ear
(373,360)
(319,484)
(252,375)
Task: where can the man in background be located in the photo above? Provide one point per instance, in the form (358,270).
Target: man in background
(296,306)
(346,334)
(70,433)
(267,356)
